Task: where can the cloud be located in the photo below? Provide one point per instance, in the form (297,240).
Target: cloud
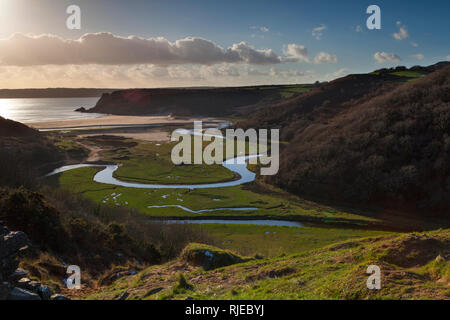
(109,49)
(382,57)
(323,57)
(414,44)
(337,74)
(260,28)
(418,56)
(402,32)
(318,32)
(256,72)
(285,74)
(359,28)
(448,57)
(298,53)
(295,53)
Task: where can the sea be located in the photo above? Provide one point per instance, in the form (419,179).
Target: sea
(31,110)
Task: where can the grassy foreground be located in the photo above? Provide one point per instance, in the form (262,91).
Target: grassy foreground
(413,266)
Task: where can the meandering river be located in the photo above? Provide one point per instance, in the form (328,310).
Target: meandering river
(237,165)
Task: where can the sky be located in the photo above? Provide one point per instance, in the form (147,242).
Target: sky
(172,43)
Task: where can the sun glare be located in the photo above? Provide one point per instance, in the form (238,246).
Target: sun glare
(6,110)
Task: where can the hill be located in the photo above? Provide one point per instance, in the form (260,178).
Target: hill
(194,102)
(10,128)
(413,266)
(25,154)
(367,140)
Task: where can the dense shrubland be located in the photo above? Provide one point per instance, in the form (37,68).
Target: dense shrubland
(358,140)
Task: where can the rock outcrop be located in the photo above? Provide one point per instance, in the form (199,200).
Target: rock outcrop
(14,281)
(12,244)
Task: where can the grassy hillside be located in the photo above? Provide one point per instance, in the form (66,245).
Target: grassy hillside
(413,266)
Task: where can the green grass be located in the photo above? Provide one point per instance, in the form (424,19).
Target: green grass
(409,75)
(289,92)
(335,271)
(272,241)
(269,204)
(285,91)
(148,162)
(73,149)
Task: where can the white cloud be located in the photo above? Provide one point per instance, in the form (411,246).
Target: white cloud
(337,74)
(323,57)
(298,53)
(414,44)
(260,28)
(382,57)
(418,56)
(151,76)
(285,74)
(256,72)
(448,57)
(295,53)
(318,32)
(402,32)
(359,28)
(109,49)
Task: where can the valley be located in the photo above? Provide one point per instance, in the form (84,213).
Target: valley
(113,183)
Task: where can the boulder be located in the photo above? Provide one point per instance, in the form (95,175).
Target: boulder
(44,292)
(12,243)
(21,294)
(59,297)
(210,257)
(23,282)
(29,285)
(17,275)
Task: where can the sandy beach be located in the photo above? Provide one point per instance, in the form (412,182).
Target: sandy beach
(116,121)
(153,136)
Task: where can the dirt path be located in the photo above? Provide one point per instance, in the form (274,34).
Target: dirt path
(94,152)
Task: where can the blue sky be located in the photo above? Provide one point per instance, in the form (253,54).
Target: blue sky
(261,24)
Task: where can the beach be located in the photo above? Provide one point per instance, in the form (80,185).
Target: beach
(118,121)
